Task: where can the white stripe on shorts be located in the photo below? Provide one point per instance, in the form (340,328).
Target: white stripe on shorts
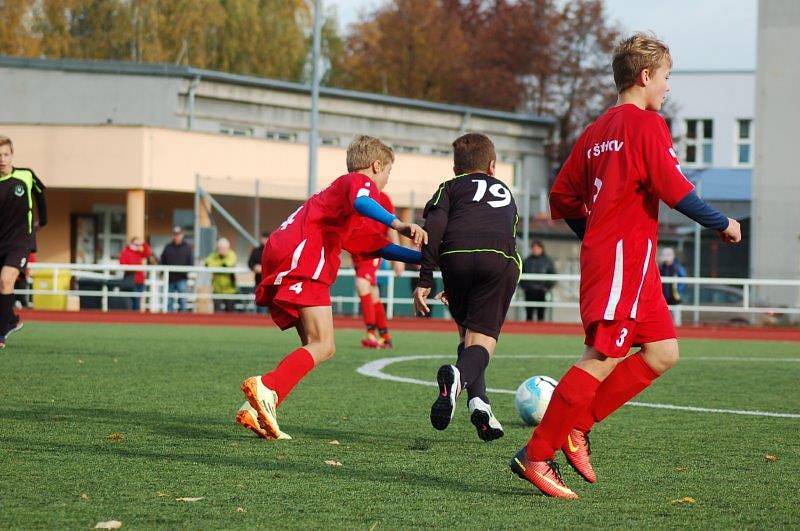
(616,285)
(295,260)
(641,282)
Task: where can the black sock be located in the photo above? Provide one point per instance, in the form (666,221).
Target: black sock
(471,364)
(6,311)
(478,387)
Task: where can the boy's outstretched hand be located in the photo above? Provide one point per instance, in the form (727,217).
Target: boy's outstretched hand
(733,234)
(420,304)
(411,230)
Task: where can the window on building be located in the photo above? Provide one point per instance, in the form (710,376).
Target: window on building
(699,142)
(110,231)
(236,130)
(440,152)
(744,142)
(329,140)
(283,136)
(400,148)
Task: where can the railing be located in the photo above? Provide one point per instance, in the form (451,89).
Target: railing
(157,292)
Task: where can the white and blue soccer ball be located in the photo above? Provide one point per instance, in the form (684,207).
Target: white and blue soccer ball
(533,397)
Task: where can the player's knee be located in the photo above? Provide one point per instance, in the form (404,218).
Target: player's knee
(327,349)
(665,356)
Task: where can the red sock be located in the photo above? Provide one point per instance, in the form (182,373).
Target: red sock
(289,371)
(571,397)
(627,380)
(368,310)
(380,318)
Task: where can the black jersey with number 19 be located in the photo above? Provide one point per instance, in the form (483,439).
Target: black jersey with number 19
(481,215)
(471,222)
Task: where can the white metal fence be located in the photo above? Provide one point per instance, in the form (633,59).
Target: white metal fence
(740,294)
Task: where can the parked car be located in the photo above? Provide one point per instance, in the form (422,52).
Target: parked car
(720,295)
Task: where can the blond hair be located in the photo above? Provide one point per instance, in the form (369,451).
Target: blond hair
(364,150)
(5,141)
(472,152)
(642,51)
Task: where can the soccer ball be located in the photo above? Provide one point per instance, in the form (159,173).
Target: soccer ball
(533,396)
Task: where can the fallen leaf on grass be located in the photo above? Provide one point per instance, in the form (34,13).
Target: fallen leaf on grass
(331,462)
(160,494)
(241,510)
(189,500)
(115,437)
(373,526)
(770,457)
(686,500)
(81,361)
(111,524)
(334,442)
(84,496)
(681,469)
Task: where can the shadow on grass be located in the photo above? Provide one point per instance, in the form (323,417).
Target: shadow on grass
(386,472)
(206,427)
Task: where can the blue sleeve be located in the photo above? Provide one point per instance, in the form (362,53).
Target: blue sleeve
(695,208)
(400,254)
(366,206)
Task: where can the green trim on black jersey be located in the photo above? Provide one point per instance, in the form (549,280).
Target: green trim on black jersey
(441,188)
(29,180)
(517,259)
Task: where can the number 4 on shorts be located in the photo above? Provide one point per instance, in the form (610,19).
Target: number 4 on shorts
(297,287)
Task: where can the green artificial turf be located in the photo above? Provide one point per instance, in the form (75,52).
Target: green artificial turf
(114,422)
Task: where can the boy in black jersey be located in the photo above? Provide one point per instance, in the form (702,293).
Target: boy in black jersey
(19,189)
(471,223)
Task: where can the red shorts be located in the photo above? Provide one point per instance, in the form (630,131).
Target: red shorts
(615,338)
(285,300)
(368,269)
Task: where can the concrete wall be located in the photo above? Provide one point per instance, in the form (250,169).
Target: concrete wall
(723,97)
(124,158)
(775,246)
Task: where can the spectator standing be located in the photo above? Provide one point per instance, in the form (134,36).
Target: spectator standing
(177,253)
(223,283)
(669,266)
(254,262)
(537,290)
(136,253)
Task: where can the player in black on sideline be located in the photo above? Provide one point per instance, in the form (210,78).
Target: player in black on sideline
(471,223)
(19,189)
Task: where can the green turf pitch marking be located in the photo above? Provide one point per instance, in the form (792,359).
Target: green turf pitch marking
(375,368)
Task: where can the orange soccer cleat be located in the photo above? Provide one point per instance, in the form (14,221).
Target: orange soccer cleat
(577,450)
(370,341)
(263,401)
(544,475)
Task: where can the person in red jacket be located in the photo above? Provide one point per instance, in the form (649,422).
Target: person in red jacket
(136,253)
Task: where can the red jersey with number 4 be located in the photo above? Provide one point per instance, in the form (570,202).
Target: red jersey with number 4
(619,169)
(368,236)
(307,245)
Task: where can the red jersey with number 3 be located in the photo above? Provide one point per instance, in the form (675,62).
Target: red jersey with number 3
(619,169)
(307,245)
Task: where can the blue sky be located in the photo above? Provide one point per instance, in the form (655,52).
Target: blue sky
(702,34)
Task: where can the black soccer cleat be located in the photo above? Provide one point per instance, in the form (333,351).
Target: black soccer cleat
(481,416)
(449,380)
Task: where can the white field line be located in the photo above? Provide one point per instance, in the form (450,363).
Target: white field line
(374,369)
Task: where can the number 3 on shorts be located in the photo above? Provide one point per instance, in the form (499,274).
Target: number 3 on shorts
(296,287)
(621,339)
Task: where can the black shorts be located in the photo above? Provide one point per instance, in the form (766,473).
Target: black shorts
(14,256)
(479,287)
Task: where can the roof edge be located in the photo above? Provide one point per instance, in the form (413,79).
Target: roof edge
(168,70)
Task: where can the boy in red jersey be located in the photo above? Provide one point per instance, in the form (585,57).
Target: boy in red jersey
(301,261)
(377,335)
(608,191)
